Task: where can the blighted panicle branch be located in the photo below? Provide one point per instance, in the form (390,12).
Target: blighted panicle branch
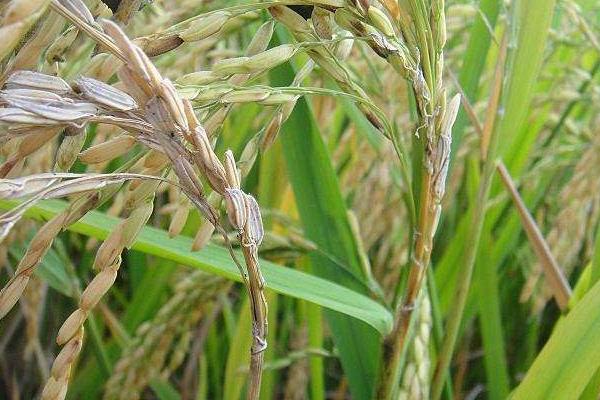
(153,113)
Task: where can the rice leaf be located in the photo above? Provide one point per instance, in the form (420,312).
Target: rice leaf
(216,260)
(570,357)
(324,218)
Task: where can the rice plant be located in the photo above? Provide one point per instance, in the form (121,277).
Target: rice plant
(324,199)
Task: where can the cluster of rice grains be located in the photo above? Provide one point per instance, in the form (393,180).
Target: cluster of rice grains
(160,345)
(37,107)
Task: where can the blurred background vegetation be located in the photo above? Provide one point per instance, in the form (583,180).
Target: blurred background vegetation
(176,324)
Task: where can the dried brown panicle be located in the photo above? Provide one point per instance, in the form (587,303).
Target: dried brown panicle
(153,114)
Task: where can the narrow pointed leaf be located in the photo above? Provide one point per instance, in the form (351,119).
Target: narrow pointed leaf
(216,260)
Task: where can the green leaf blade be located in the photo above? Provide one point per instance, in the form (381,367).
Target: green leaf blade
(216,260)
(325,222)
(570,357)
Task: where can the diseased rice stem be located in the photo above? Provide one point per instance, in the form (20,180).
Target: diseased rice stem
(435,121)
(474,234)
